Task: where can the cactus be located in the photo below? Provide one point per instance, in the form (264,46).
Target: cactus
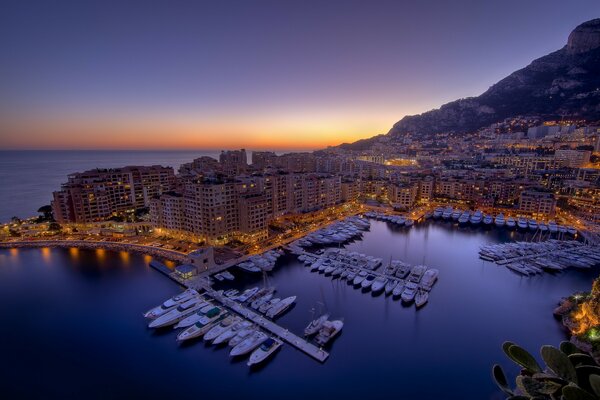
(569,374)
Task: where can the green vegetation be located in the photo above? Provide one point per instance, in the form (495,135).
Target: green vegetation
(570,374)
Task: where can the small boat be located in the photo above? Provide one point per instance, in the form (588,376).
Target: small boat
(500,221)
(378,284)
(248,344)
(398,289)
(280,307)
(266,349)
(421,298)
(429,278)
(390,285)
(510,223)
(315,325)
(227,275)
(329,330)
(367,282)
(247,294)
(410,290)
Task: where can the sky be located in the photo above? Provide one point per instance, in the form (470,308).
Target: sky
(255,74)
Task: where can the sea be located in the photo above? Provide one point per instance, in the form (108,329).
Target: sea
(72,325)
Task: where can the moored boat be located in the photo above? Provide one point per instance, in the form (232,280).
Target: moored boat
(329,330)
(264,351)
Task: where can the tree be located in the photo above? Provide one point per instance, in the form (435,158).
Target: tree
(47,213)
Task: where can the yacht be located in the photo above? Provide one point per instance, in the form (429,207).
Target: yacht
(500,221)
(488,220)
(262,300)
(266,349)
(409,222)
(223,326)
(417,273)
(522,223)
(170,304)
(249,266)
(390,285)
(571,230)
(533,225)
(543,227)
(231,293)
(195,317)
(562,229)
(429,278)
(330,269)
(200,328)
(227,275)
(438,212)
(552,227)
(367,282)
(315,325)
(447,213)
(421,298)
(510,223)
(265,307)
(280,307)
(177,314)
(241,336)
(329,330)
(360,277)
(410,290)
(399,288)
(476,217)
(464,218)
(248,344)
(403,270)
(247,294)
(456,214)
(378,284)
(235,329)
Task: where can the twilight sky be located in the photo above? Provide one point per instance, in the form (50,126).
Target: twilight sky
(256,74)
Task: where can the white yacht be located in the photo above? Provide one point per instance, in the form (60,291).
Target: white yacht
(195,317)
(280,307)
(417,273)
(266,349)
(552,227)
(261,300)
(429,278)
(200,328)
(229,334)
(315,325)
(522,223)
(360,277)
(456,214)
(378,284)
(170,304)
(543,227)
(410,290)
(476,218)
(409,222)
(464,217)
(399,288)
(533,225)
(500,221)
(247,294)
(263,309)
(447,213)
(329,330)
(248,344)
(488,220)
(241,336)
(390,285)
(367,282)
(571,230)
(177,314)
(421,298)
(223,326)
(510,223)
(438,212)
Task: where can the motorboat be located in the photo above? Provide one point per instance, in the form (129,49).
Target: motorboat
(409,222)
(476,218)
(403,270)
(264,351)
(421,298)
(360,277)
(177,314)
(500,221)
(464,218)
(456,214)
(248,344)
(247,294)
(170,304)
(280,307)
(262,300)
(223,326)
(390,285)
(571,230)
(417,273)
(241,335)
(328,331)
(533,225)
(552,227)
(437,213)
(200,328)
(410,290)
(314,325)
(398,289)
(511,223)
(197,316)
(488,220)
(447,213)
(265,307)
(378,284)
(367,282)
(429,278)
(522,223)
(543,227)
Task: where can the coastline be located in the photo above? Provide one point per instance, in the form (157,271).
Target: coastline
(165,254)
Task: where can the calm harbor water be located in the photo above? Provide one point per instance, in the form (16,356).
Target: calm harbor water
(71,323)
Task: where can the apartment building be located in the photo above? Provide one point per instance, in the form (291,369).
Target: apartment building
(538,203)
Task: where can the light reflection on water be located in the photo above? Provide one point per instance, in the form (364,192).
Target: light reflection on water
(76,321)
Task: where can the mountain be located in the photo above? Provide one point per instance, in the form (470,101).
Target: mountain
(565,83)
